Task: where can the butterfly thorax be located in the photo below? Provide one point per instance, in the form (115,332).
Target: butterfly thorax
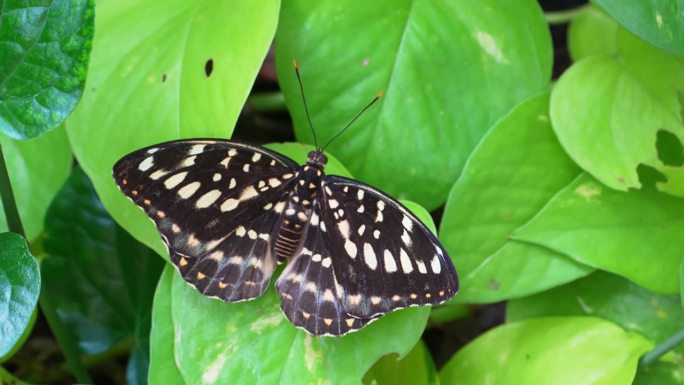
(299,207)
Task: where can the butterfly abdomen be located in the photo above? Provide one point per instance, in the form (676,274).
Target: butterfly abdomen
(297,212)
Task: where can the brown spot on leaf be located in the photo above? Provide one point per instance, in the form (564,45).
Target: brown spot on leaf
(209,67)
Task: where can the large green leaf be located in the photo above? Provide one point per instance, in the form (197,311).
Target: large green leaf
(19,290)
(607,111)
(655,316)
(635,234)
(510,176)
(37,169)
(161,71)
(554,350)
(98,278)
(210,341)
(608,296)
(659,22)
(449,70)
(44,46)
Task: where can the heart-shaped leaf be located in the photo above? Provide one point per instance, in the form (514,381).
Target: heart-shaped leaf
(188,77)
(449,70)
(416,368)
(44,51)
(98,278)
(607,111)
(635,234)
(502,186)
(554,350)
(19,290)
(659,22)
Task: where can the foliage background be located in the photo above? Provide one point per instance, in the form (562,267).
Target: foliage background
(560,202)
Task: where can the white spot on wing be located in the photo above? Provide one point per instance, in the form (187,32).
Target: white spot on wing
(216,177)
(256,157)
(351,248)
(158,174)
(175,180)
(146,164)
(240,231)
(186,191)
(187,162)
(369,256)
(361,229)
(390,263)
(208,199)
(196,149)
(405,261)
(344,229)
(229,204)
(407,222)
(421,266)
(248,193)
(326,262)
(314,219)
(435,265)
(232,184)
(359,194)
(333,203)
(406,238)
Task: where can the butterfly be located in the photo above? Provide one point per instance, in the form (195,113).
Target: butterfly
(230,212)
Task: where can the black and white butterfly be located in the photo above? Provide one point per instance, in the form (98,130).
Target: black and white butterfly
(229,212)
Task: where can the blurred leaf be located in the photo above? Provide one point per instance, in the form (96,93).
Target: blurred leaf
(503,185)
(98,277)
(659,22)
(44,50)
(636,234)
(610,297)
(216,342)
(7,378)
(607,109)
(592,32)
(554,350)
(150,82)
(37,169)
(439,101)
(416,368)
(660,373)
(449,312)
(19,290)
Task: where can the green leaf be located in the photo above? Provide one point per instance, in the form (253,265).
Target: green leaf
(610,297)
(439,101)
(659,22)
(635,234)
(554,350)
(99,279)
(416,368)
(607,110)
(592,32)
(44,50)
(19,290)
(660,373)
(148,83)
(210,341)
(503,185)
(37,169)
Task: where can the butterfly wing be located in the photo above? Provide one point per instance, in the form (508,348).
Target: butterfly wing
(212,202)
(308,288)
(386,258)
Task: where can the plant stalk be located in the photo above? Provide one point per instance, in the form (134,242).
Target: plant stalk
(662,348)
(8,202)
(565,16)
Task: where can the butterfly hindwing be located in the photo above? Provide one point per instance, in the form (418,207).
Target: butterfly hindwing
(385,258)
(212,202)
(308,289)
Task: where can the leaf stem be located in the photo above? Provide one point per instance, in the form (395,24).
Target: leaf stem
(267,101)
(662,348)
(565,16)
(8,202)
(64,339)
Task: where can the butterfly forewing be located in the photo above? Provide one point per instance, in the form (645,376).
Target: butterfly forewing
(214,203)
(385,258)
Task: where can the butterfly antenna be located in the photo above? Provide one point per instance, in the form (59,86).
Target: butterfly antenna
(306,108)
(381,94)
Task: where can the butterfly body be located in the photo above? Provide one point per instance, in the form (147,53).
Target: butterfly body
(230,212)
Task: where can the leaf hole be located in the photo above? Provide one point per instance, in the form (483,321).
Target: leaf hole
(163,78)
(649,176)
(209,67)
(670,150)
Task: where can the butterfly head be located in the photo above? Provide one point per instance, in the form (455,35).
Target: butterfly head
(317,159)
